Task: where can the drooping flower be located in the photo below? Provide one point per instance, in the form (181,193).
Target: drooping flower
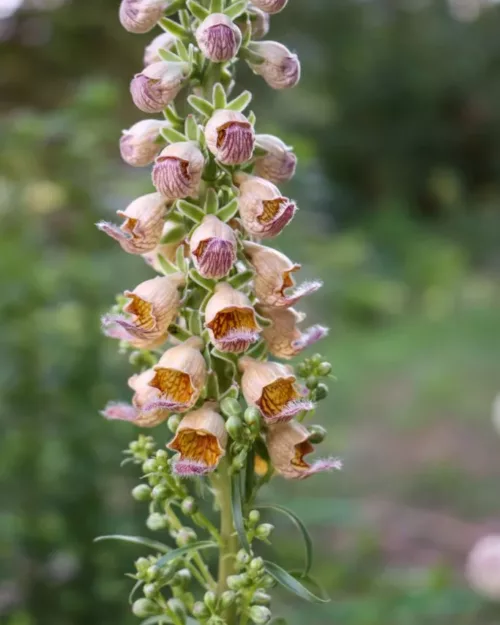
(287,444)
(218,38)
(263,210)
(142,226)
(177,170)
(279,164)
(140,143)
(230,320)
(179,377)
(201,440)
(166,250)
(270,6)
(283,337)
(165,41)
(157,85)
(153,306)
(140,16)
(273,276)
(259,22)
(213,248)
(230,137)
(272,388)
(280,68)
(137,413)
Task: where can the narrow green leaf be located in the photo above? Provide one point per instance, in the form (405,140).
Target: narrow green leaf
(275,621)
(174,235)
(169,56)
(174,28)
(191,128)
(232,359)
(180,259)
(228,211)
(172,136)
(251,118)
(136,587)
(201,105)
(211,202)
(171,115)
(205,283)
(216,6)
(179,333)
(166,265)
(212,385)
(182,50)
(237,506)
(194,321)
(197,10)
(291,583)
(191,211)
(241,102)
(174,7)
(183,551)
(241,279)
(236,9)
(135,540)
(251,57)
(219,96)
(308,546)
(185,19)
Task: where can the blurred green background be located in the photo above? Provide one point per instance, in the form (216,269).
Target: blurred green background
(397,125)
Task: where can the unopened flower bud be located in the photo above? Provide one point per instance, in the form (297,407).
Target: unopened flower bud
(200,610)
(264,530)
(189,506)
(140,143)
(156,522)
(140,16)
(317,434)
(252,416)
(218,38)
(230,137)
(254,517)
(173,423)
(149,466)
(270,6)
(165,41)
(312,382)
(157,85)
(321,391)
(142,564)
(280,68)
(261,598)
(227,599)
(142,492)
(230,407)
(150,591)
(242,557)
(160,492)
(182,578)
(267,582)
(185,536)
(177,170)
(234,427)
(259,22)
(235,582)
(210,600)
(144,607)
(278,164)
(257,564)
(176,607)
(213,247)
(324,369)
(260,615)
(239,461)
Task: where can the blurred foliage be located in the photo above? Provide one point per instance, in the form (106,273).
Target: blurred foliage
(397,124)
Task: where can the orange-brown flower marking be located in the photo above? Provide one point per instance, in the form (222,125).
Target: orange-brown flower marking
(142,226)
(263,210)
(179,377)
(278,164)
(230,137)
(213,248)
(280,68)
(177,170)
(201,440)
(272,387)
(140,16)
(283,337)
(138,413)
(273,276)
(230,320)
(288,444)
(152,307)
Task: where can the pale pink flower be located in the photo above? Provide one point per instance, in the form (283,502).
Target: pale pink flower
(213,247)
(157,85)
(230,137)
(177,170)
(218,38)
(280,68)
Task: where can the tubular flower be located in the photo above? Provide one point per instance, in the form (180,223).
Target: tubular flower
(230,137)
(142,226)
(157,85)
(177,170)
(213,248)
(259,22)
(179,377)
(287,444)
(165,41)
(218,38)
(272,388)
(230,320)
(140,144)
(138,413)
(279,164)
(270,6)
(280,68)
(153,306)
(263,210)
(166,250)
(283,337)
(201,440)
(273,276)
(140,16)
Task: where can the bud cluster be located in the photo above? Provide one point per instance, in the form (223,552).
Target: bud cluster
(201,332)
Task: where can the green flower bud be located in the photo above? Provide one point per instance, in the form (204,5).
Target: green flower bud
(317,359)
(200,610)
(261,598)
(177,609)
(230,407)
(264,531)
(302,369)
(321,391)
(260,614)
(149,466)
(324,369)
(156,522)
(242,557)
(189,506)
(235,582)
(227,599)
(252,416)
(185,536)
(312,382)
(234,427)
(135,358)
(257,564)
(161,454)
(239,461)
(150,590)
(254,517)
(318,434)
(182,578)
(134,446)
(160,492)
(142,492)
(144,607)
(142,565)
(267,582)
(210,600)
(173,423)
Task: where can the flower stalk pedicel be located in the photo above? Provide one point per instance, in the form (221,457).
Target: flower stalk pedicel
(200,334)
